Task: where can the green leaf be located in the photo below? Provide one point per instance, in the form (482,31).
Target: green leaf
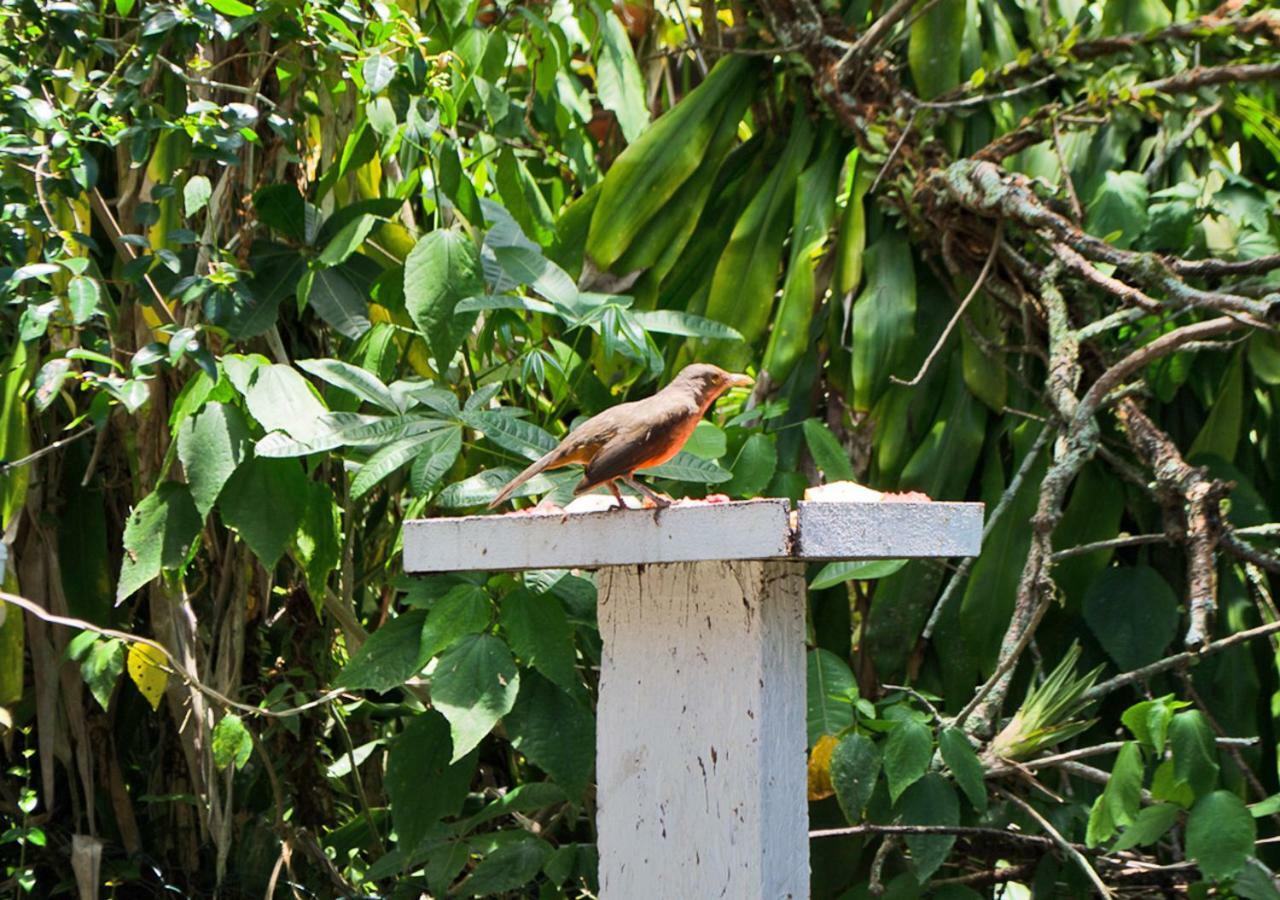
(348,239)
(968,772)
(233,8)
(387,460)
(464,610)
(195,194)
(474,685)
(442,269)
(1195,753)
(1149,825)
(378,70)
(211,444)
(1149,720)
(511,865)
(929,801)
(511,433)
(281,400)
(1267,807)
(264,502)
(391,656)
(281,208)
(619,84)
(1123,793)
(84,295)
(830,684)
(906,755)
(883,317)
(316,542)
(525,265)
(1133,613)
(684,466)
(1220,835)
(1120,204)
(157,535)
(336,300)
(554,731)
(539,633)
(231,742)
(834,573)
(826,451)
(1223,427)
(101,668)
(855,766)
(706,442)
(754,467)
(422,782)
(435,459)
(355,380)
(935,47)
(674,321)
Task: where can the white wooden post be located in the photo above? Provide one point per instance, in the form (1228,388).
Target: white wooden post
(700,763)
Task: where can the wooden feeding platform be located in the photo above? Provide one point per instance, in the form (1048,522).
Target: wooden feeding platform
(700,749)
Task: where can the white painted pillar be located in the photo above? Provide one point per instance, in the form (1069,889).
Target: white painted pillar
(700,759)
(701,720)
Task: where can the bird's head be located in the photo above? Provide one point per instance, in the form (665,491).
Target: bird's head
(707,382)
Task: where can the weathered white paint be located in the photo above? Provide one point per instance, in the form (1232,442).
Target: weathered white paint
(750,530)
(755,529)
(887,530)
(700,757)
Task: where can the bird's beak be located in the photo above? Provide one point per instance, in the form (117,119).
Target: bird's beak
(741,380)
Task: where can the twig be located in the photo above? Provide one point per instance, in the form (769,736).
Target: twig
(976,831)
(1177,660)
(1128,540)
(983,98)
(1077,210)
(1006,501)
(1066,846)
(873,36)
(1161,156)
(44,451)
(1201,268)
(201,81)
(112,228)
(906,129)
(175,667)
(960,310)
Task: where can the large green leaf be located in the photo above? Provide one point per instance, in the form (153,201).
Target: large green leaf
(390,657)
(906,755)
(211,444)
(424,781)
(929,801)
(464,610)
(1119,209)
(830,683)
(281,400)
(883,317)
(442,269)
(855,767)
(157,535)
(1133,613)
(1220,835)
(264,502)
(540,635)
(336,299)
(474,685)
(965,767)
(934,48)
(554,731)
(618,80)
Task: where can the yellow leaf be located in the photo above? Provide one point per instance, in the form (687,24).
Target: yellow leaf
(146,667)
(820,768)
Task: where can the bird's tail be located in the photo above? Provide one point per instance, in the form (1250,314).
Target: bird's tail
(547,462)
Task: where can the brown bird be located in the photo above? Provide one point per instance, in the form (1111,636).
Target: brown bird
(635,435)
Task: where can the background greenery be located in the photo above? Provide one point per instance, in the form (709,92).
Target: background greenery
(276,277)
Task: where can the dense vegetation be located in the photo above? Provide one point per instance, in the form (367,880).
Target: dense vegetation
(276,277)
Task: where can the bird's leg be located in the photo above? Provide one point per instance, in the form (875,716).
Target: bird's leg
(613,489)
(658,499)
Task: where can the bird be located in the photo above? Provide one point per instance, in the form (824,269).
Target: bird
(613,444)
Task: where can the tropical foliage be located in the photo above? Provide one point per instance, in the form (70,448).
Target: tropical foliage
(276,277)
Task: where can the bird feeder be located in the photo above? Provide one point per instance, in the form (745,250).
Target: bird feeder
(700,749)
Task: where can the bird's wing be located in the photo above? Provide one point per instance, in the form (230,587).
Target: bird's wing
(579,446)
(650,434)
